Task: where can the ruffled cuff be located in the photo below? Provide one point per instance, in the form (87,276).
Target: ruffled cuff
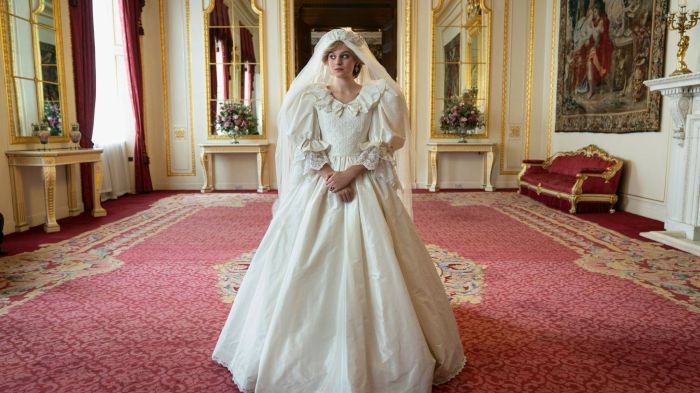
(372,154)
(376,157)
(313,153)
(315,160)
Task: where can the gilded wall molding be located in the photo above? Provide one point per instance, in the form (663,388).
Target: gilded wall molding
(263,71)
(504,90)
(407,86)
(189,89)
(528,88)
(552,76)
(288,54)
(164,78)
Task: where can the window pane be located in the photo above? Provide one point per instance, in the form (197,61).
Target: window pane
(22,48)
(19,8)
(26,105)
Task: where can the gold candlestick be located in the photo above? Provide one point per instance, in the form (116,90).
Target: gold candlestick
(682,22)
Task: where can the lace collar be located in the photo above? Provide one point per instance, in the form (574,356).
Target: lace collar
(368,96)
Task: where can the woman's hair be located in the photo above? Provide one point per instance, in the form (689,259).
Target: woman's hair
(334,46)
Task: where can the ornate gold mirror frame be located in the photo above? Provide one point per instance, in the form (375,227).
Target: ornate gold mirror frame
(46,73)
(232,54)
(461,55)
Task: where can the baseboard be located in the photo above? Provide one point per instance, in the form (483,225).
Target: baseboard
(674,239)
(39,218)
(468,185)
(198,186)
(9,226)
(643,207)
(179,186)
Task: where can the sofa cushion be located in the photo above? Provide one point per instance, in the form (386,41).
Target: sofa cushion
(551,181)
(571,165)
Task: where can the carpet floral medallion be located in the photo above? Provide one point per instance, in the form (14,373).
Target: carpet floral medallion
(463,279)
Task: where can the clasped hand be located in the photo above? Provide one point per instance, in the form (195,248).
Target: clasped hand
(339,183)
(339,180)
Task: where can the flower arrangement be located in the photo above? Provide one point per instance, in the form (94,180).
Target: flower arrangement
(236,119)
(461,116)
(52,117)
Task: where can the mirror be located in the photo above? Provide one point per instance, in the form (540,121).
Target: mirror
(33,61)
(235,82)
(461,56)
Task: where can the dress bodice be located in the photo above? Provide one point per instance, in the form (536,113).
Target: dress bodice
(345,126)
(364,131)
(344,133)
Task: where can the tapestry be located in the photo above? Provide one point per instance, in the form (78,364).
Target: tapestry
(607,49)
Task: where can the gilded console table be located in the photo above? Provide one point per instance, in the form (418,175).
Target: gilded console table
(48,160)
(436,148)
(209,150)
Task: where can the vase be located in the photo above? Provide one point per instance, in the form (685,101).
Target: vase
(462,132)
(235,138)
(75,137)
(44,137)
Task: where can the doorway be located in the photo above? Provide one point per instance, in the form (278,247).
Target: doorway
(375,20)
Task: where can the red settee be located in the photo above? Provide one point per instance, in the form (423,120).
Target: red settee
(582,180)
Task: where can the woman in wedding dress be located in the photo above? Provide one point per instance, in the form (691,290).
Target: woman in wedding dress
(341,295)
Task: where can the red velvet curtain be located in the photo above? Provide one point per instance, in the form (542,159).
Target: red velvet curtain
(219,17)
(212,78)
(83,45)
(247,56)
(131,20)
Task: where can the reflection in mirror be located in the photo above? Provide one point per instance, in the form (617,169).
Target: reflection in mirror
(32,58)
(45,16)
(234,69)
(461,53)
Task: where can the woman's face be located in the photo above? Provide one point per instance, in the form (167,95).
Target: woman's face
(341,61)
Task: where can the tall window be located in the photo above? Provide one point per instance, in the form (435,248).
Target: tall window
(114,115)
(114,127)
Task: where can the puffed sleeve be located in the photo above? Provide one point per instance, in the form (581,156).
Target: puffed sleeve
(306,135)
(386,135)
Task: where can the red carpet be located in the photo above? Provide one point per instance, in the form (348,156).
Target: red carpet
(546,301)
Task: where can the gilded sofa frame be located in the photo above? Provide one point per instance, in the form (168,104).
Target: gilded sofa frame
(576,195)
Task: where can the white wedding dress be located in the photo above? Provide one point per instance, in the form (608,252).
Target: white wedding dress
(341,297)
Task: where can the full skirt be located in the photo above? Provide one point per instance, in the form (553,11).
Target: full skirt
(341,298)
